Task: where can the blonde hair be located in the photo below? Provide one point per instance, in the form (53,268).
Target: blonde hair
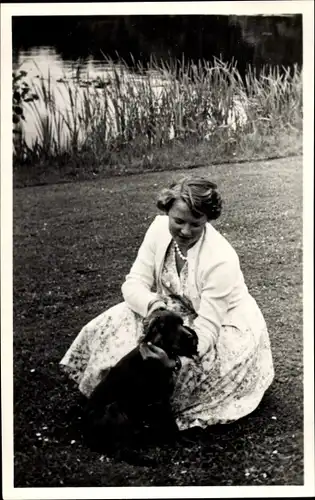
(198,193)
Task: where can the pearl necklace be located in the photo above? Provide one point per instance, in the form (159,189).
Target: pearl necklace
(179,252)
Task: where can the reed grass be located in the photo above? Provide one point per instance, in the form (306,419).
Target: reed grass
(136,116)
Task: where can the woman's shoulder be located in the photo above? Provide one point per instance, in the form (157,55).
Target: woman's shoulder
(159,222)
(158,225)
(218,245)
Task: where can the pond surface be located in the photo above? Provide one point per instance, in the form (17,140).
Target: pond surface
(45,61)
(73,77)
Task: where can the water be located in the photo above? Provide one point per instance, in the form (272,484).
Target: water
(45,62)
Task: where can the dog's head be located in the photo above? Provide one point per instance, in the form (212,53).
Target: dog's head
(165,329)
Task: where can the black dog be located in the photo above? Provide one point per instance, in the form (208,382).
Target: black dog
(135,393)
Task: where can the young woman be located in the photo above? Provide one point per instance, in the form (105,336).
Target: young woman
(184,264)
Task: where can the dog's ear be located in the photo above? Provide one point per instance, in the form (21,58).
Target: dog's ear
(153,326)
(168,325)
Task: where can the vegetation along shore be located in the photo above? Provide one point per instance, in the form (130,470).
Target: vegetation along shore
(154,117)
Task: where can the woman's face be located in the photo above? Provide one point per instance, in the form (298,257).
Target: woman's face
(184,227)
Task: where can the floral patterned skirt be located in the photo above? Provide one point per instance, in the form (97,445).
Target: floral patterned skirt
(225,385)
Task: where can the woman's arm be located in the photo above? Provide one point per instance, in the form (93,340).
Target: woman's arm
(137,287)
(217,286)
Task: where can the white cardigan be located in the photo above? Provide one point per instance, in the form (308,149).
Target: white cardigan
(215,281)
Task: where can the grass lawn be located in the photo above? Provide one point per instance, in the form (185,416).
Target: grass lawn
(73,245)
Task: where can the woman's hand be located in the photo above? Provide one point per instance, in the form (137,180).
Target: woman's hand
(154,305)
(150,351)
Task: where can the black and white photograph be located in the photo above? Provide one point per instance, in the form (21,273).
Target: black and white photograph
(157,249)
